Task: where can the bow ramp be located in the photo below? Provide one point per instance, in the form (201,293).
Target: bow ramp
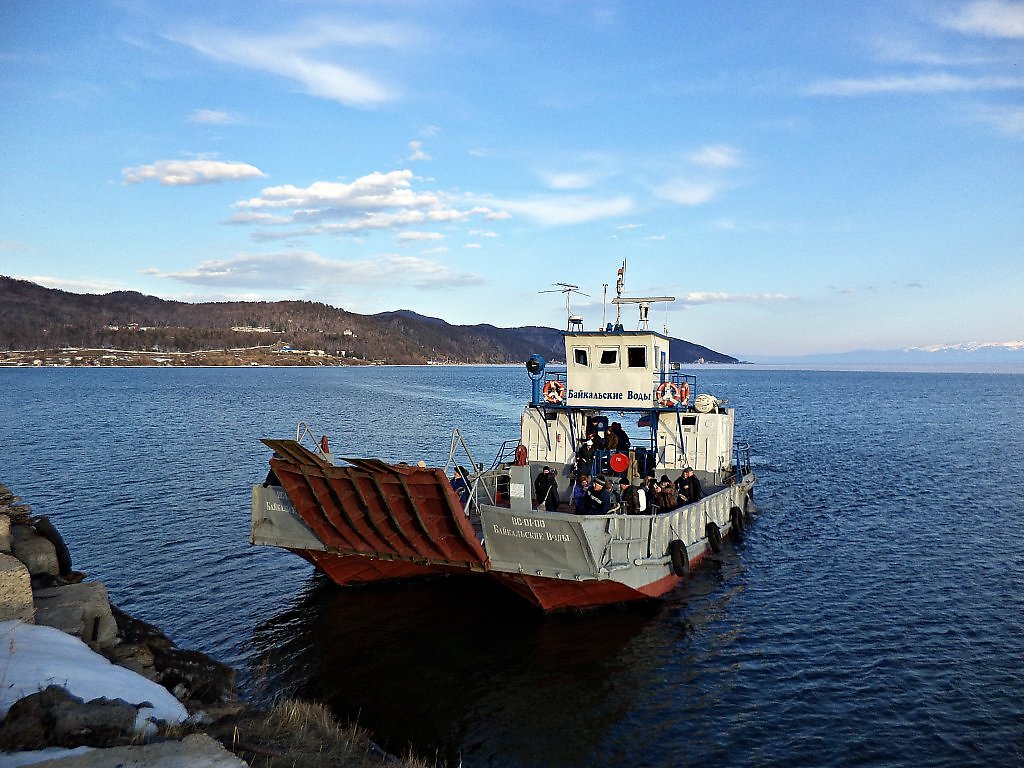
(397,517)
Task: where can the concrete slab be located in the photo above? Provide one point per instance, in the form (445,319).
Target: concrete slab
(196,751)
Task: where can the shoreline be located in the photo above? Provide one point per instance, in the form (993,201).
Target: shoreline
(44,603)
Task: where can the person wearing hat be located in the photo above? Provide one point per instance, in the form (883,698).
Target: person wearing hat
(689,487)
(634,498)
(598,500)
(665,497)
(546,489)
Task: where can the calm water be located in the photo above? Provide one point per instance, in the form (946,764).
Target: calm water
(874,615)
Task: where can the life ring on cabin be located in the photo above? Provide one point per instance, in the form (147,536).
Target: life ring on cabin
(324,445)
(554,392)
(521,456)
(680,558)
(669,394)
(736,522)
(714,536)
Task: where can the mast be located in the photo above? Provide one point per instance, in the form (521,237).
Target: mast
(643,301)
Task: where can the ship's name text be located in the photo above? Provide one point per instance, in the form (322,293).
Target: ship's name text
(629,394)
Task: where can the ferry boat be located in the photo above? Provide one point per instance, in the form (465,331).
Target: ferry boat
(365,520)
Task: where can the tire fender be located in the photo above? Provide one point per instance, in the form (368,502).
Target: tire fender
(680,558)
(714,536)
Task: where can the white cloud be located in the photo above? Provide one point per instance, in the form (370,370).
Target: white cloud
(305,56)
(558,211)
(1008,121)
(72,285)
(174,173)
(564,181)
(375,190)
(939,82)
(300,270)
(687,193)
(990,18)
(412,236)
(717,156)
(211,117)
(417,151)
(732,298)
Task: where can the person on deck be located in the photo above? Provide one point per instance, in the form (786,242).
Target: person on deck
(598,500)
(665,494)
(689,487)
(461,484)
(619,493)
(634,498)
(579,491)
(621,438)
(546,489)
(585,455)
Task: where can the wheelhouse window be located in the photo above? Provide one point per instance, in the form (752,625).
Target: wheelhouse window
(579,356)
(636,357)
(609,357)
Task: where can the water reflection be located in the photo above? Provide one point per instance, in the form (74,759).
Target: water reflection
(460,667)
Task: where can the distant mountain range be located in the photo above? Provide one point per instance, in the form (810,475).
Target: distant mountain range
(1008,353)
(35,317)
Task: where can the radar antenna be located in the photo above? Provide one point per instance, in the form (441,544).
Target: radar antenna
(643,301)
(568,289)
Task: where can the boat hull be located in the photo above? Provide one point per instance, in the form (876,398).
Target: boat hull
(371,522)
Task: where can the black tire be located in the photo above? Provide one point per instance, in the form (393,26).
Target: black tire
(714,536)
(736,522)
(680,558)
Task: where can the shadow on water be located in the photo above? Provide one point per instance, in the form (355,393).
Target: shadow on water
(461,667)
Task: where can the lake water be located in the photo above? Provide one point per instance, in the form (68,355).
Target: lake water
(873,615)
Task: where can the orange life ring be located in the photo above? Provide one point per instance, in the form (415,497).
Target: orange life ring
(324,446)
(684,393)
(554,392)
(668,394)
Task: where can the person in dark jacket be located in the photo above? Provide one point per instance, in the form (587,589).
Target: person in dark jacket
(621,438)
(546,489)
(585,455)
(689,487)
(665,497)
(634,498)
(598,500)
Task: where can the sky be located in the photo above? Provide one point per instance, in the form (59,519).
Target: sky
(803,177)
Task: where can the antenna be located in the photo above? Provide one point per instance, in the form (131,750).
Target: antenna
(567,289)
(644,301)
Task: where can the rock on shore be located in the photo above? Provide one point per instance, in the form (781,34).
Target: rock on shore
(79,671)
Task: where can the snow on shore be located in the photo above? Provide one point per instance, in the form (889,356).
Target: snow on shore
(33,657)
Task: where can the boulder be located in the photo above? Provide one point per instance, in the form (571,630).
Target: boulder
(5,534)
(35,551)
(54,718)
(82,610)
(15,589)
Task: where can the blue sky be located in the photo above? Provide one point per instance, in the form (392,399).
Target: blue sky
(804,177)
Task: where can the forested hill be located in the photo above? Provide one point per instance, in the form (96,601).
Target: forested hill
(34,317)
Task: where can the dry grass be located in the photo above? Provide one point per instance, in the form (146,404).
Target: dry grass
(299,734)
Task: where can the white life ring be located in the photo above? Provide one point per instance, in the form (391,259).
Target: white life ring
(554,392)
(669,394)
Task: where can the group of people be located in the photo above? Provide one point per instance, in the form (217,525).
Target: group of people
(597,496)
(614,438)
